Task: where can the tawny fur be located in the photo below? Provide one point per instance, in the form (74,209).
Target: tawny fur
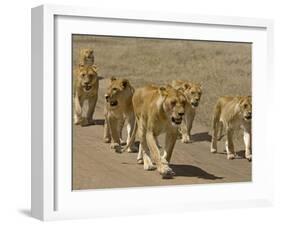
(158,110)
(118,110)
(86,88)
(192,92)
(231,114)
(86,57)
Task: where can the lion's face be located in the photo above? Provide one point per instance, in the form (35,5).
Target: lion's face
(173,105)
(117,91)
(246,108)
(87,53)
(87,77)
(193,93)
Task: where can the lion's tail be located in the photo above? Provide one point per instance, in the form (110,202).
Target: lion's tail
(133,137)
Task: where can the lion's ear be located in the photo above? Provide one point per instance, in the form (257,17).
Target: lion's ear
(242,99)
(163,91)
(125,83)
(186,86)
(112,78)
(181,90)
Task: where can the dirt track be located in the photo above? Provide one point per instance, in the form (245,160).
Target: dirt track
(96,166)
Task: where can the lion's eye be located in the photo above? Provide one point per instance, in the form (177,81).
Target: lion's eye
(192,92)
(245,105)
(83,75)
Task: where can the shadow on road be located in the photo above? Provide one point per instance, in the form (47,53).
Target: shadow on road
(193,171)
(99,122)
(199,137)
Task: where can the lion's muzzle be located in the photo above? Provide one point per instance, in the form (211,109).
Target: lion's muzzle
(112,103)
(87,86)
(195,103)
(248,116)
(176,120)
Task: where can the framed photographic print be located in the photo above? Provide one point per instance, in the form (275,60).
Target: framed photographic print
(137,112)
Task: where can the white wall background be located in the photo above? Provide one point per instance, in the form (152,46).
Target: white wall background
(15,111)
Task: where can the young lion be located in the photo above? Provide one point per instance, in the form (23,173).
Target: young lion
(118,109)
(192,92)
(87,57)
(233,113)
(86,88)
(158,110)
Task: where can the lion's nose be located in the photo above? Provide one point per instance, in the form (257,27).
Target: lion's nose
(86,83)
(181,113)
(106,97)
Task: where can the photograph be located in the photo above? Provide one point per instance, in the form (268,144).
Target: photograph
(159,112)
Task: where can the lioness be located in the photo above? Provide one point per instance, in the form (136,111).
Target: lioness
(118,109)
(192,92)
(86,88)
(158,110)
(87,57)
(233,113)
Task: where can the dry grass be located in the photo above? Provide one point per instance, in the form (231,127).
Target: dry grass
(222,68)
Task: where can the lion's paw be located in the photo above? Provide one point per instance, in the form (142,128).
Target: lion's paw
(106,140)
(230,156)
(186,139)
(249,157)
(213,150)
(116,147)
(149,167)
(77,120)
(166,172)
(123,142)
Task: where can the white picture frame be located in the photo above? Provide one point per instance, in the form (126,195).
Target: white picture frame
(52,197)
